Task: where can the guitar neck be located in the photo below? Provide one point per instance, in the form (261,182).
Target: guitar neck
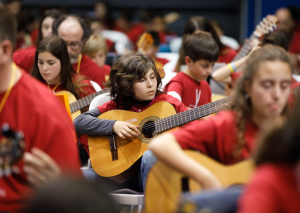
(190,115)
(83,102)
(246,48)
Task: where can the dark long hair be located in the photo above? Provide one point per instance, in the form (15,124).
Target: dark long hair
(57,47)
(124,71)
(53,13)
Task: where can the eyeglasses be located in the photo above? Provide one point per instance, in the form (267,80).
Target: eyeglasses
(74,45)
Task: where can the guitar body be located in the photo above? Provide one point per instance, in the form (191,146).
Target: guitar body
(129,151)
(165,185)
(72,99)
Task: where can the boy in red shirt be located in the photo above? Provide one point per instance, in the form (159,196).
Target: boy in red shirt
(27,105)
(190,86)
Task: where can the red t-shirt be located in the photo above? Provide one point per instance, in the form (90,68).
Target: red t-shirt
(217,137)
(90,70)
(273,189)
(295,43)
(226,55)
(189,91)
(179,107)
(46,125)
(24,58)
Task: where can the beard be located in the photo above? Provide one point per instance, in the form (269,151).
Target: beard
(73,57)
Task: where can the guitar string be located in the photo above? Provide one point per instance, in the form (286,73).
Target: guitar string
(149,130)
(188,116)
(119,139)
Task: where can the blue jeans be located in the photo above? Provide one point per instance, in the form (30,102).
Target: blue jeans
(224,201)
(148,161)
(137,183)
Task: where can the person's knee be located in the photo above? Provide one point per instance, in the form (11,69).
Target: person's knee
(148,160)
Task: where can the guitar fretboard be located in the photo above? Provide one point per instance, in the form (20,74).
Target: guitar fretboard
(190,115)
(83,102)
(246,48)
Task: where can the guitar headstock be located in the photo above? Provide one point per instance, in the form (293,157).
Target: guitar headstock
(144,42)
(161,72)
(12,147)
(268,24)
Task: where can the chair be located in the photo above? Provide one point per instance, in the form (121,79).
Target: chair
(96,86)
(122,196)
(99,100)
(120,39)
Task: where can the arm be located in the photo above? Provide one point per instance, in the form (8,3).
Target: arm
(223,73)
(89,123)
(177,159)
(174,89)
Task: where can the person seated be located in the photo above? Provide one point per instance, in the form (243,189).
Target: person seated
(97,28)
(151,52)
(132,30)
(190,86)
(96,49)
(197,24)
(274,186)
(26,105)
(230,73)
(24,58)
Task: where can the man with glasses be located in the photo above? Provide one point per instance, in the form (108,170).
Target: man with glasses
(75,32)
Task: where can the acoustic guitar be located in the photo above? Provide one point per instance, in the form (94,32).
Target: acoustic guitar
(12,148)
(117,158)
(165,185)
(77,105)
(268,24)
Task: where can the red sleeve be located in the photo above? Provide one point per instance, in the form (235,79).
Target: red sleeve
(210,135)
(24,58)
(174,86)
(260,196)
(234,77)
(178,105)
(107,106)
(197,135)
(227,55)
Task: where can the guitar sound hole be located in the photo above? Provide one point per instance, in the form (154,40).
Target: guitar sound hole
(148,129)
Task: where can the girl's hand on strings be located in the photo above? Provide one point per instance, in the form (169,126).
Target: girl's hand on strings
(125,130)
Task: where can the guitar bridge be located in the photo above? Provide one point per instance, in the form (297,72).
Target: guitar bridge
(113,147)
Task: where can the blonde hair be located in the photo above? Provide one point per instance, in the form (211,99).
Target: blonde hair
(241,103)
(93,45)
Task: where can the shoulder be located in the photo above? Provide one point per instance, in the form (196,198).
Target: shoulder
(40,99)
(110,105)
(87,62)
(179,106)
(204,84)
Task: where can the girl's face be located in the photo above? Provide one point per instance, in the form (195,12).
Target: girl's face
(49,67)
(47,27)
(145,89)
(270,89)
